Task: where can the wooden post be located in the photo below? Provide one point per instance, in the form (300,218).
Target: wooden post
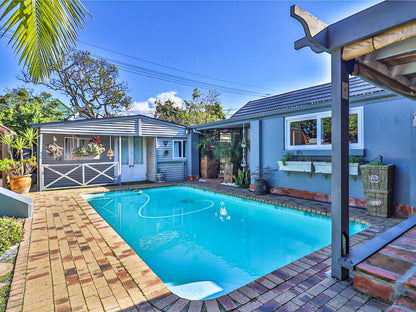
(340,165)
(41,177)
(119,160)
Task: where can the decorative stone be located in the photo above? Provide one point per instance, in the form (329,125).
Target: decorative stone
(5,268)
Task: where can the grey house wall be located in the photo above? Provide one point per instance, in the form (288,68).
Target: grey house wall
(193,162)
(388,131)
(150,159)
(173,168)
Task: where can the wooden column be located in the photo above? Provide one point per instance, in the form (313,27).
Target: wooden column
(340,165)
(41,172)
(119,160)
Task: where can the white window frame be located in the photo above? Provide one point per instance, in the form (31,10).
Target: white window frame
(182,144)
(76,139)
(318,116)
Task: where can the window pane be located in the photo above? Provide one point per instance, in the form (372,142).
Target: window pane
(184,148)
(353,126)
(124,150)
(138,150)
(84,143)
(176,149)
(303,132)
(69,146)
(326,130)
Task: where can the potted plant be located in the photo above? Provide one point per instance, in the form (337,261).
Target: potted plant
(160,176)
(378,181)
(19,170)
(289,165)
(79,151)
(261,175)
(95,147)
(209,165)
(242,179)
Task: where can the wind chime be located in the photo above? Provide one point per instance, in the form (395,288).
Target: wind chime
(244,146)
(110,153)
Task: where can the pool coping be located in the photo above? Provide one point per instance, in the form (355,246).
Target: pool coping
(245,298)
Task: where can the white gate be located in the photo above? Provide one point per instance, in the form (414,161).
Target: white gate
(58,176)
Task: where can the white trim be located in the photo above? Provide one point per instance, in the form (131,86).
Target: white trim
(318,116)
(183,142)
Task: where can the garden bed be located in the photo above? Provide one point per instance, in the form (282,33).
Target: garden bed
(11,233)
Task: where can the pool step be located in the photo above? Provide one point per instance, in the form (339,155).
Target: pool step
(390,273)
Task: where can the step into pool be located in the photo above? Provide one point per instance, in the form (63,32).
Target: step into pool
(203,244)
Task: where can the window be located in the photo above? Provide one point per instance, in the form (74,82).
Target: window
(72,143)
(313,131)
(179,149)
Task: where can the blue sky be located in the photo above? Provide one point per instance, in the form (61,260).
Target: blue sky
(243,45)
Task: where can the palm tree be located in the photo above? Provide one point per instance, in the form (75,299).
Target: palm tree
(41,31)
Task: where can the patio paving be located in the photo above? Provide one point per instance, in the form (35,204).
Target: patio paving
(72,260)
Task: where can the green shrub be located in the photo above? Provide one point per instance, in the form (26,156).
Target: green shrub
(11,232)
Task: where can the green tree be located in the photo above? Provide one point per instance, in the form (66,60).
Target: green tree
(202,108)
(91,84)
(41,31)
(19,109)
(167,111)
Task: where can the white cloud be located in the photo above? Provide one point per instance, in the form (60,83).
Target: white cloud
(147,108)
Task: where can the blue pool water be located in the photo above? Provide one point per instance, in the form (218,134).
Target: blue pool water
(204,244)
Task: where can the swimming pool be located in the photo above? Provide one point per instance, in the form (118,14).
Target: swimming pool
(204,244)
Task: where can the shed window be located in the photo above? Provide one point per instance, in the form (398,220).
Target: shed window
(313,131)
(179,149)
(72,143)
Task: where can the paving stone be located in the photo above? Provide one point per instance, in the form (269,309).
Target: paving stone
(269,306)
(5,268)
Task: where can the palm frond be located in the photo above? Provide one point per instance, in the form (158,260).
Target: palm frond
(42,31)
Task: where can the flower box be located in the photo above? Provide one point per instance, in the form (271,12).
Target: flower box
(322,167)
(326,168)
(296,166)
(69,156)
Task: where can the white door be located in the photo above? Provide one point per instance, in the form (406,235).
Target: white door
(133,159)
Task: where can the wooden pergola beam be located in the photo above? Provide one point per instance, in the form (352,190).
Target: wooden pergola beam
(360,26)
(396,49)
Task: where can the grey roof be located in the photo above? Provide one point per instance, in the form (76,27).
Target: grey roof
(303,97)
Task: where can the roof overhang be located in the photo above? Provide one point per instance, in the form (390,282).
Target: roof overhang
(380,42)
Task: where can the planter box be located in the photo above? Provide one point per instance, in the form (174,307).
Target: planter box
(378,189)
(323,167)
(296,166)
(326,168)
(354,169)
(69,156)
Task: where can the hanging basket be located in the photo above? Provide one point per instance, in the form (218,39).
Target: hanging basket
(110,153)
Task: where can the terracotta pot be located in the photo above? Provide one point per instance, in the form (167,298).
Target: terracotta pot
(20,184)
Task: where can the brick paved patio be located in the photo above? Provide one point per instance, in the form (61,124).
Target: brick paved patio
(72,260)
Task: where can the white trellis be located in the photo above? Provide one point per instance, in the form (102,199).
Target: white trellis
(79,176)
